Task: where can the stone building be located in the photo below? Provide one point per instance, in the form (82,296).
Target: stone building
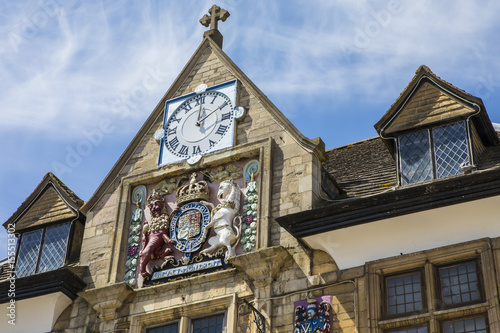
(220,216)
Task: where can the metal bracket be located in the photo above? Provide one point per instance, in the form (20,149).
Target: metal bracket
(259,320)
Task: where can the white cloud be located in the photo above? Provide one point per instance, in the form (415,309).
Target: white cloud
(333,67)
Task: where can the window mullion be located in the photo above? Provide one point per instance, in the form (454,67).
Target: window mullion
(433,153)
(432,297)
(430,284)
(40,250)
(184,325)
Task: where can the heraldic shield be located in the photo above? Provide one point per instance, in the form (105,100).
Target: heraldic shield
(189,227)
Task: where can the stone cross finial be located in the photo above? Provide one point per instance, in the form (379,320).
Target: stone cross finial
(216,14)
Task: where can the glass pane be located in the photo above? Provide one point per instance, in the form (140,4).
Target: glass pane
(404,293)
(54,247)
(28,253)
(459,284)
(214,324)
(171,328)
(415,156)
(451,149)
(471,325)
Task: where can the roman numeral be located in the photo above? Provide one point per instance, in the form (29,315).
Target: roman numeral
(183,150)
(175,119)
(223,105)
(200,100)
(215,97)
(186,107)
(172,131)
(174,143)
(226,116)
(221,130)
(212,143)
(196,150)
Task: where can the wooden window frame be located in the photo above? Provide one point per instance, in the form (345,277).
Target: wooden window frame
(385,309)
(184,313)
(469,317)
(67,250)
(432,152)
(479,251)
(438,286)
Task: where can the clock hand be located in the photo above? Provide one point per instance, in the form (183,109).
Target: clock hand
(199,112)
(198,123)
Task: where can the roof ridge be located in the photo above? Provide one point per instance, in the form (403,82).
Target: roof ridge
(353,143)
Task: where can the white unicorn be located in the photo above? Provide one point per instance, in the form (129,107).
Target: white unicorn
(223,219)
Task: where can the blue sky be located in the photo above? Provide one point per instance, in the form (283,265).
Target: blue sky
(71,69)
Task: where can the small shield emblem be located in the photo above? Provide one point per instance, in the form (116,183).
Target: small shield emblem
(189,225)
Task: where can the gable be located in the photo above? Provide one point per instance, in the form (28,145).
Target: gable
(427,106)
(211,66)
(47,208)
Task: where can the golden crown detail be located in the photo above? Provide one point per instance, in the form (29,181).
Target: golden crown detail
(156,195)
(193,191)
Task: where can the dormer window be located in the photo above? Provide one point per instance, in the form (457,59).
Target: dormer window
(433,153)
(42,250)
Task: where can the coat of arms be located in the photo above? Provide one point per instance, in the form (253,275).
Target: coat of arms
(189,225)
(311,317)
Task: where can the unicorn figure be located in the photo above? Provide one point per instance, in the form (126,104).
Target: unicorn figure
(223,219)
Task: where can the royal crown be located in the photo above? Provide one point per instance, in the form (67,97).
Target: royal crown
(193,192)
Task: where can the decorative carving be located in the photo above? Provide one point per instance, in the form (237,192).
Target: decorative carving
(216,14)
(156,233)
(223,218)
(250,208)
(314,318)
(251,170)
(172,269)
(138,198)
(167,187)
(107,300)
(189,227)
(224,173)
(192,192)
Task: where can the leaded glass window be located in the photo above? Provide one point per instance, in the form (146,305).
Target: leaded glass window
(27,257)
(459,284)
(213,324)
(416,165)
(433,153)
(471,325)
(451,149)
(42,250)
(54,247)
(404,294)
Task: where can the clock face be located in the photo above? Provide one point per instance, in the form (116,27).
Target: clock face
(199,124)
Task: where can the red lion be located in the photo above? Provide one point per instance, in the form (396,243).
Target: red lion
(156,233)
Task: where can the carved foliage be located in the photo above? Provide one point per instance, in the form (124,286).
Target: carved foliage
(138,197)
